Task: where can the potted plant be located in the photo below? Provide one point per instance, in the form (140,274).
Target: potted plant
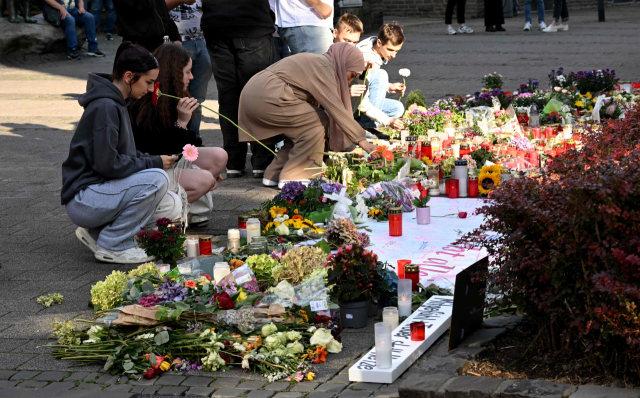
(423,212)
(166,243)
(381,281)
(351,274)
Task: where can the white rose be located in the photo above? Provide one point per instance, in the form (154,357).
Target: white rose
(272,342)
(295,348)
(293,336)
(282,230)
(321,337)
(334,347)
(269,329)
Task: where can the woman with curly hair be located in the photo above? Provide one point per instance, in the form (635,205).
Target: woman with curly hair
(164,128)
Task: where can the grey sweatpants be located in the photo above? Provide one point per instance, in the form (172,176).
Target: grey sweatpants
(114,211)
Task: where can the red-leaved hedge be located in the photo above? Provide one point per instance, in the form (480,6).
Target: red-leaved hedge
(565,247)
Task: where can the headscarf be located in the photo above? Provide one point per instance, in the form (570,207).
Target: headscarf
(344,58)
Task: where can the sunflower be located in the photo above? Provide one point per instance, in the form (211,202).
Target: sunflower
(276,211)
(496,168)
(487,181)
(272,225)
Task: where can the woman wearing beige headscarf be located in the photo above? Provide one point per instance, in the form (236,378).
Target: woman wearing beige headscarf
(300,98)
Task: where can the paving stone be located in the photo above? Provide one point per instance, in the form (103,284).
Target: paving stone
(482,337)
(591,391)
(344,379)
(32,384)
(25,374)
(330,387)
(148,390)
(508,322)
(172,390)
(60,386)
(119,388)
(469,353)
(6,374)
(305,387)
(170,380)
(277,386)
(143,382)
(472,386)
(197,381)
(288,395)
(387,392)
(228,392)
(251,385)
(107,379)
(92,376)
(200,391)
(51,376)
(424,386)
(366,386)
(89,387)
(224,382)
(7,383)
(261,394)
(138,389)
(123,380)
(77,376)
(532,388)
(450,365)
(321,394)
(355,394)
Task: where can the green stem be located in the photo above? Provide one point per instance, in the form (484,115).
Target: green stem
(362,96)
(221,115)
(405,84)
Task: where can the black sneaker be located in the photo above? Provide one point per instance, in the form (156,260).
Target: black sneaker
(379,134)
(95,53)
(108,36)
(490,29)
(499,28)
(235,173)
(258,173)
(73,54)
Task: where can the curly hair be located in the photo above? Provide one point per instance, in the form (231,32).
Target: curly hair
(172,59)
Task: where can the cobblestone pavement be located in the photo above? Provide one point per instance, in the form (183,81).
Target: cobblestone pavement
(40,254)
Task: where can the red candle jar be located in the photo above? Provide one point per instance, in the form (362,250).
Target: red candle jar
(532,157)
(569,144)
(417,331)
(512,151)
(473,186)
(549,132)
(537,133)
(395,222)
(412,271)
(521,154)
(550,152)
(242,224)
(425,149)
(454,188)
(464,150)
(411,142)
(401,265)
(205,245)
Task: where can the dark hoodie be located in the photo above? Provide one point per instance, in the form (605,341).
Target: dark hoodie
(102,148)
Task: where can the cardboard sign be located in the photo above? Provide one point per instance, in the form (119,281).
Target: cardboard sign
(436,315)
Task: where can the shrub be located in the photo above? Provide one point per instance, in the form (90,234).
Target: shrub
(565,247)
(415,97)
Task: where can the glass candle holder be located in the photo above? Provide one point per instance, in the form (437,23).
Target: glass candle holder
(185,268)
(233,243)
(412,273)
(434,176)
(453,188)
(383,345)
(390,316)
(193,247)
(395,221)
(404,297)
(220,270)
(473,186)
(401,265)
(204,244)
(164,268)
(253,229)
(417,331)
(242,224)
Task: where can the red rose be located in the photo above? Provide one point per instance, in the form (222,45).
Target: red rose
(462,214)
(224,301)
(150,373)
(208,277)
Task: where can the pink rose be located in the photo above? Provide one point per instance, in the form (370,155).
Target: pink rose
(557,88)
(462,214)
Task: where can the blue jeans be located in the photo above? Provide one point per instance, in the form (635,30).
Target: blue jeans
(202,72)
(282,50)
(378,84)
(527,10)
(115,210)
(307,39)
(96,10)
(75,18)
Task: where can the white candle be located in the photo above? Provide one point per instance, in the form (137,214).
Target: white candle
(403,136)
(164,268)
(404,297)
(390,316)
(220,270)
(185,268)
(192,247)
(253,229)
(456,150)
(234,240)
(383,345)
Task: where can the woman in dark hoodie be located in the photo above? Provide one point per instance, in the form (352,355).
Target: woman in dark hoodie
(110,189)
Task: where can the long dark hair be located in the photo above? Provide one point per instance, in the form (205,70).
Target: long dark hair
(132,58)
(172,59)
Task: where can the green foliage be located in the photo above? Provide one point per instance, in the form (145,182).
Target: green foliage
(415,97)
(164,243)
(50,299)
(482,155)
(352,273)
(262,266)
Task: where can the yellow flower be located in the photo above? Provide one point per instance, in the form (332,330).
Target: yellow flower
(310,376)
(270,225)
(588,95)
(496,168)
(242,296)
(487,181)
(276,211)
(164,366)
(426,160)
(296,211)
(580,104)
(374,212)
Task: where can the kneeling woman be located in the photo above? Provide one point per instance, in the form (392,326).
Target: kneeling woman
(164,128)
(110,189)
(301,97)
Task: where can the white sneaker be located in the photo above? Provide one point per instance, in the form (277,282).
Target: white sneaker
(527,26)
(451,31)
(542,25)
(86,239)
(304,182)
(134,255)
(550,29)
(269,183)
(465,29)
(564,26)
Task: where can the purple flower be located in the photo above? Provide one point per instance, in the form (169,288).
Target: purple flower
(291,190)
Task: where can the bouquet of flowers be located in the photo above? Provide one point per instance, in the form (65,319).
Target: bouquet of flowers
(492,81)
(167,242)
(351,271)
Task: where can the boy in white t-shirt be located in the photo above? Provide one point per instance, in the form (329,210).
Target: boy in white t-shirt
(305,25)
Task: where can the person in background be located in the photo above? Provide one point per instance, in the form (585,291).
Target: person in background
(305,25)
(145,22)
(164,128)
(376,110)
(282,49)
(448,17)
(493,16)
(72,13)
(348,29)
(187,15)
(110,22)
(110,189)
(527,15)
(239,36)
(560,10)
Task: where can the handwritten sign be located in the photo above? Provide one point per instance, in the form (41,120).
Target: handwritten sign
(436,315)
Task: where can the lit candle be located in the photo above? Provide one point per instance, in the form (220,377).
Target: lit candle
(404,297)
(220,270)
(233,236)
(185,268)
(164,268)
(383,345)
(417,331)
(192,247)
(390,316)
(253,229)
